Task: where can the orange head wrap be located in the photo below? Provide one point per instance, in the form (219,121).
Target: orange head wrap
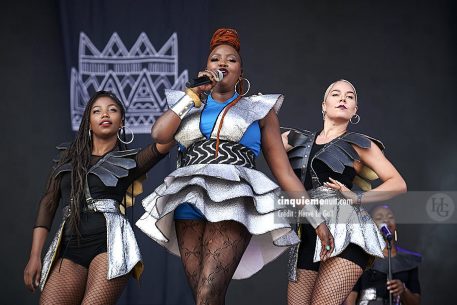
(225,36)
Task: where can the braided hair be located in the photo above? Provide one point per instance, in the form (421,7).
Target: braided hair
(79,155)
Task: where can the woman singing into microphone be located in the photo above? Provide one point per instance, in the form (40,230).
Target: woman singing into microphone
(216,210)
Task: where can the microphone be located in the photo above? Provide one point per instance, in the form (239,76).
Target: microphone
(385,231)
(204,80)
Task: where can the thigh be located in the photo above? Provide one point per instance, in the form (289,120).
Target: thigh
(190,242)
(190,238)
(66,284)
(223,246)
(300,291)
(99,289)
(337,276)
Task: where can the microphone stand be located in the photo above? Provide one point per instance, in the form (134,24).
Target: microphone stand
(389,260)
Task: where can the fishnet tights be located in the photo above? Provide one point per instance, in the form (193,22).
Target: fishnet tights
(74,284)
(99,290)
(190,241)
(211,252)
(331,285)
(299,292)
(65,286)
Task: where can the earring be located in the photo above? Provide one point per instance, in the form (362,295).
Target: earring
(249,85)
(119,138)
(90,134)
(356,117)
(323,114)
(395,236)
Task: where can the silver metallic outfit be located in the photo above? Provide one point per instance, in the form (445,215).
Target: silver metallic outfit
(348,223)
(123,251)
(223,191)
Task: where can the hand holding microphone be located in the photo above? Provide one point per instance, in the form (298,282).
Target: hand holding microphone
(205,81)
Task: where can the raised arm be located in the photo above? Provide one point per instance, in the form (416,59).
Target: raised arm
(276,157)
(392,182)
(168,123)
(150,156)
(165,127)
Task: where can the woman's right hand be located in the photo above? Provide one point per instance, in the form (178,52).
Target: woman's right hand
(326,239)
(32,273)
(212,76)
(165,127)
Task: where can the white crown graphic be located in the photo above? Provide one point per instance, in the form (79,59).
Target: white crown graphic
(137,76)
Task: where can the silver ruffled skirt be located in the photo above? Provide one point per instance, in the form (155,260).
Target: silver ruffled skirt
(348,223)
(123,251)
(221,192)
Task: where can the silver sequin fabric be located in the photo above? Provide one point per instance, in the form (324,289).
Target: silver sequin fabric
(189,130)
(222,191)
(244,113)
(50,256)
(123,251)
(348,223)
(239,118)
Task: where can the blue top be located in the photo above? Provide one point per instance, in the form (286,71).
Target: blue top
(250,139)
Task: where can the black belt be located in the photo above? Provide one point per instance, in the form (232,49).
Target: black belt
(204,152)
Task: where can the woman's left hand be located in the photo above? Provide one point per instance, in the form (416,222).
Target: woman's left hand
(336,185)
(395,287)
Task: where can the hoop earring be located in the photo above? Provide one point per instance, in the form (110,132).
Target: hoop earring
(125,142)
(249,85)
(323,115)
(357,117)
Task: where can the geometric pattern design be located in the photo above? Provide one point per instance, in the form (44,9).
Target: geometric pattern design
(204,152)
(138,76)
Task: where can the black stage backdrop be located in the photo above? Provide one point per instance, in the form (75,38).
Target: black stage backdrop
(400,56)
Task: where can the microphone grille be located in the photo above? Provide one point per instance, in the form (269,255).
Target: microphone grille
(382,224)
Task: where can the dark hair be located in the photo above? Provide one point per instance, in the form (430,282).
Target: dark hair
(79,154)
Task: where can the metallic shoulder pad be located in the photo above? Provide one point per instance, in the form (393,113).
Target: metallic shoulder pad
(113,166)
(341,153)
(267,102)
(244,113)
(301,141)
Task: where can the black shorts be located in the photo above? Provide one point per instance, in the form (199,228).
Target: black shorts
(352,252)
(82,250)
